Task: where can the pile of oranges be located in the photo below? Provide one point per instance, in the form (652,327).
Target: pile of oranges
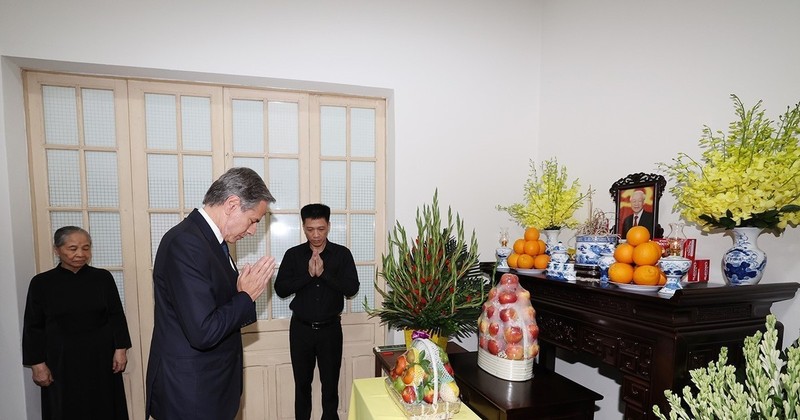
(529,252)
(637,259)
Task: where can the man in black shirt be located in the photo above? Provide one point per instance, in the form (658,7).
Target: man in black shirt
(320,274)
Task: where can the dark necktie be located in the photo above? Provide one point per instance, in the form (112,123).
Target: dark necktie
(225,249)
(635,223)
(227,252)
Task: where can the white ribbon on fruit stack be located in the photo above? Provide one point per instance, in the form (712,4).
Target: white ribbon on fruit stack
(423,372)
(507,326)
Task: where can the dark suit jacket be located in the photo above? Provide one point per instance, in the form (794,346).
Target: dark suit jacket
(195,366)
(645,219)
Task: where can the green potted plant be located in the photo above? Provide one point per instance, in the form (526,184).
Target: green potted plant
(432,283)
(770,388)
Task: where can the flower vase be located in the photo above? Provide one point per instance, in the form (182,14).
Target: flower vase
(551,238)
(744,263)
(604,262)
(410,335)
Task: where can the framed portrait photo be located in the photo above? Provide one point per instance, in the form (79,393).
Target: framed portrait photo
(636,198)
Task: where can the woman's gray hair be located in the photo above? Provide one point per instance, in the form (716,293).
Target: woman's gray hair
(241,182)
(63,232)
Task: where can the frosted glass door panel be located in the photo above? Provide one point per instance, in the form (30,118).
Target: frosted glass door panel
(362,185)
(284,233)
(284,183)
(283,128)
(362,137)
(333,131)
(256,164)
(366,289)
(162,181)
(197,177)
(280,306)
(338,231)
(64,178)
(162,121)
(64,218)
(99,128)
(248,126)
(102,180)
(362,237)
(106,239)
(196,123)
(333,176)
(60,115)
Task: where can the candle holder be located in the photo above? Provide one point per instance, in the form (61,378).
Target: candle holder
(675,240)
(674,267)
(502,252)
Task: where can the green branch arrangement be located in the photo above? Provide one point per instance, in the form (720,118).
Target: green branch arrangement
(433,282)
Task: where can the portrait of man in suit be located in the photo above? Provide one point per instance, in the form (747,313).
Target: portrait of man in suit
(639,211)
(202,300)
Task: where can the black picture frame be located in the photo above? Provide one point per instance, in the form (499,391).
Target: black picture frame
(653,186)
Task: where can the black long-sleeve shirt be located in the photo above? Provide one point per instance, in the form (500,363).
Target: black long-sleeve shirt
(317,298)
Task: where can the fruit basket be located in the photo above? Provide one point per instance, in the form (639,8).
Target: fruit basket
(507,331)
(421,383)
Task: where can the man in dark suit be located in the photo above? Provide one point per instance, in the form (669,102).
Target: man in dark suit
(640,217)
(202,301)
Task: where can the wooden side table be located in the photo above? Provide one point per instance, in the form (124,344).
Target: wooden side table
(547,395)
(653,342)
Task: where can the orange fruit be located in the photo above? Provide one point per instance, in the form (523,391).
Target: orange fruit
(542,246)
(541,261)
(646,275)
(532,248)
(512,260)
(637,235)
(525,261)
(531,234)
(647,253)
(519,246)
(624,253)
(662,278)
(620,272)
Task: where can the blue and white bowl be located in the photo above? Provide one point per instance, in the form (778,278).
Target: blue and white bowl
(589,248)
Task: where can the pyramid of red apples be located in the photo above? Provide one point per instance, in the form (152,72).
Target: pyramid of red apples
(507,331)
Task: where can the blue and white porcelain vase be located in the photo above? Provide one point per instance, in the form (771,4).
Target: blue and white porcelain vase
(551,238)
(604,262)
(744,263)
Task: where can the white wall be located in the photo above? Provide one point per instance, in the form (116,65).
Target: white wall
(468,79)
(627,84)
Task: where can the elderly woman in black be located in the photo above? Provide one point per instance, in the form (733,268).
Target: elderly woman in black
(75,335)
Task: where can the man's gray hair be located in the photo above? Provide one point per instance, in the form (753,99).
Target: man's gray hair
(244,183)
